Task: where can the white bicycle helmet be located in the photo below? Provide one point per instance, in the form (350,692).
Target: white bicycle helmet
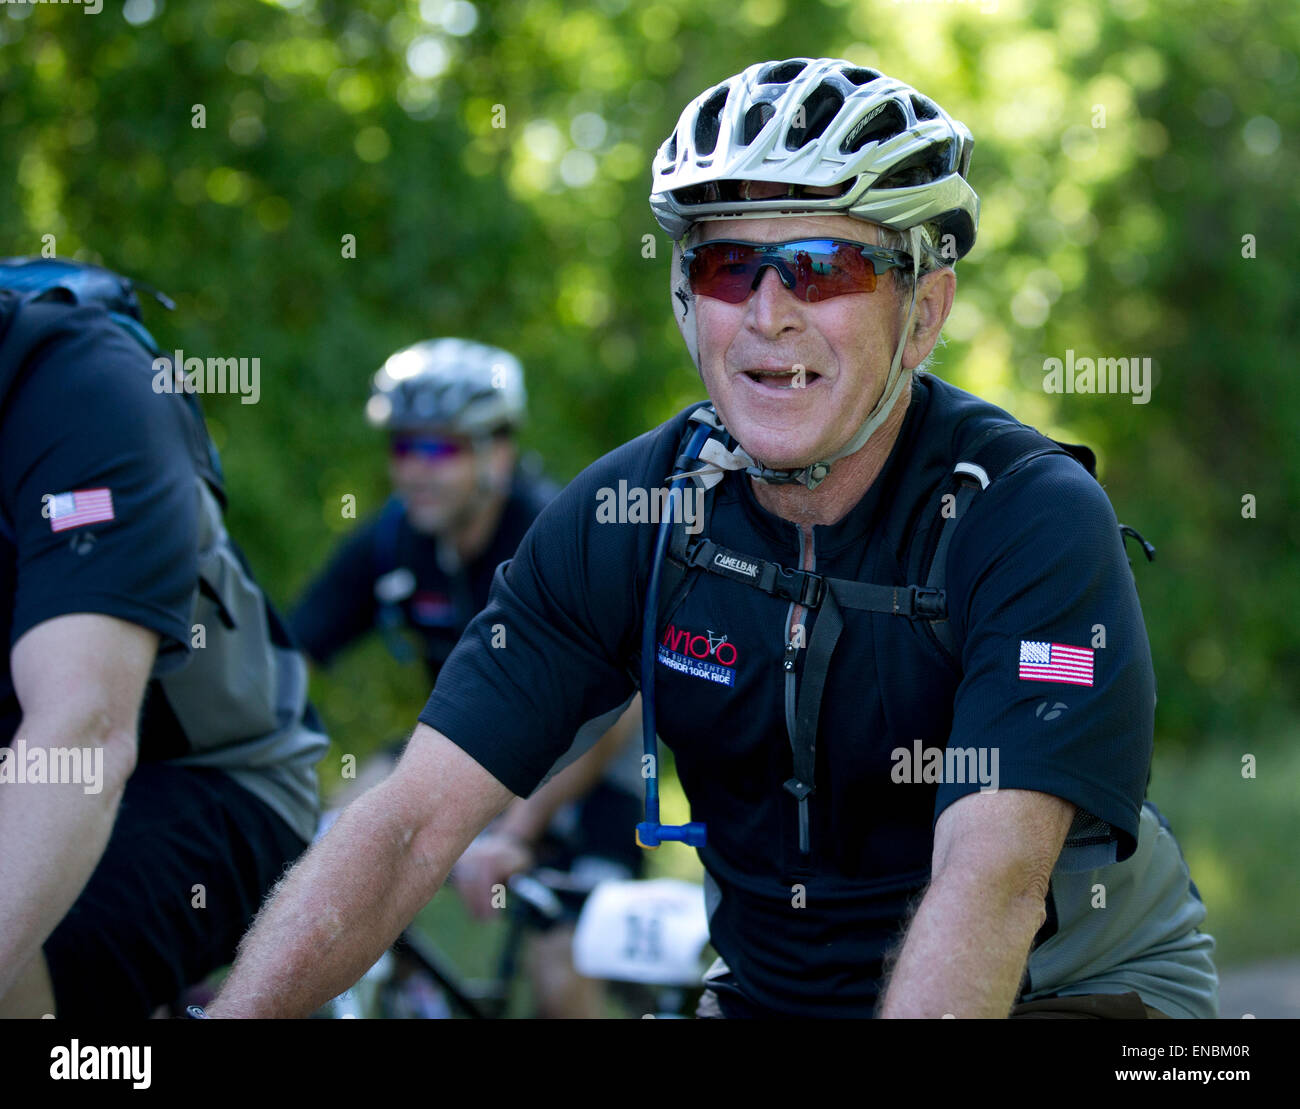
(462,386)
(899,161)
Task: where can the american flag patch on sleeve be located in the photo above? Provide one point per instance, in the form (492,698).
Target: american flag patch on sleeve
(1055,662)
(81,506)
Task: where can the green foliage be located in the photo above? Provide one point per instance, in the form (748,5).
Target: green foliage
(375,119)
(1237,833)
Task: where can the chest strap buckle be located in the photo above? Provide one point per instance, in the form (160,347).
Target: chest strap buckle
(801,586)
(930,603)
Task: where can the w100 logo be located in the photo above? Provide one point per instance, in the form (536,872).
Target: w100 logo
(691,645)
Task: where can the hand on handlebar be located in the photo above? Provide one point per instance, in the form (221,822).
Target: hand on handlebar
(489,861)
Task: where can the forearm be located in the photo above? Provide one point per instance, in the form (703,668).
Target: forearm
(334,914)
(54,836)
(964,952)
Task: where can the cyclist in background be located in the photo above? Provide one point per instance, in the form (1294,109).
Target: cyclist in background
(422,568)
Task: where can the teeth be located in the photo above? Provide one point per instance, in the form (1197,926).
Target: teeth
(785,378)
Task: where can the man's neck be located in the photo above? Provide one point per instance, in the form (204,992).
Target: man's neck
(849,479)
(473,538)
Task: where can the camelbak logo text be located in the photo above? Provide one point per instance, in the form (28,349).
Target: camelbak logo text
(730,562)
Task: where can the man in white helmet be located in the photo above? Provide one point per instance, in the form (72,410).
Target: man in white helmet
(890,634)
(418,572)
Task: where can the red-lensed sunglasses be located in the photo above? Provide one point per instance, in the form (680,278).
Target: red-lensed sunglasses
(812,269)
(427,447)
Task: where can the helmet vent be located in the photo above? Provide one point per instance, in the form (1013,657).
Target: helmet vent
(921,168)
(924,107)
(818,111)
(672,148)
(707,123)
(884,122)
(756,119)
(781,73)
(862,76)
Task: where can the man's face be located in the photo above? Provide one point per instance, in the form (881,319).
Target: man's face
(844,343)
(435,475)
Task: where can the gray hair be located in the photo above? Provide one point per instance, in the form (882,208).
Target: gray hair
(931,260)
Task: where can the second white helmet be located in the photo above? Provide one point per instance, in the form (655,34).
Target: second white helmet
(456,384)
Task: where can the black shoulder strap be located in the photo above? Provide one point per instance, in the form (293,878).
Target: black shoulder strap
(996,451)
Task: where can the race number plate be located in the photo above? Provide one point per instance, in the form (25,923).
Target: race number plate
(652,932)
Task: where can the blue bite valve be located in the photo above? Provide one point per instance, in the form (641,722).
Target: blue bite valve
(649,834)
(693,834)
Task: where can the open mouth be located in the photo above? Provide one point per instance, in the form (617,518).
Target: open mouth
(798,378)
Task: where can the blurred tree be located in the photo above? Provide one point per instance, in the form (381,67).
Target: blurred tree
(492,164)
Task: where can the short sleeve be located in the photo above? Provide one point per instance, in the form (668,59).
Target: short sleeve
(100,489)
(551,650)
(1057,678)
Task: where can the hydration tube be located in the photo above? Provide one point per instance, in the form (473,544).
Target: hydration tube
(650,833)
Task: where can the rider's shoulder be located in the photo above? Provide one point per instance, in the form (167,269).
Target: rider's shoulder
(960,424)
(956,417)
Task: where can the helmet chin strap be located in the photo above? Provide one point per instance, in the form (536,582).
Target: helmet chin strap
(814,474)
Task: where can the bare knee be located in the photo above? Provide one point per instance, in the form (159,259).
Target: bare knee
(559,990)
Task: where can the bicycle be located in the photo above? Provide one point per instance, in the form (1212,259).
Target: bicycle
(639,936)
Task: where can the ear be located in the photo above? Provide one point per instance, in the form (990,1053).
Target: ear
(934,296)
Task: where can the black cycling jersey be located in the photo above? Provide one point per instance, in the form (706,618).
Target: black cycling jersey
(1036,566)
(340,605)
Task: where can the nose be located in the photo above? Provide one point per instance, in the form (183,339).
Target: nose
(414,469)
(772,308)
